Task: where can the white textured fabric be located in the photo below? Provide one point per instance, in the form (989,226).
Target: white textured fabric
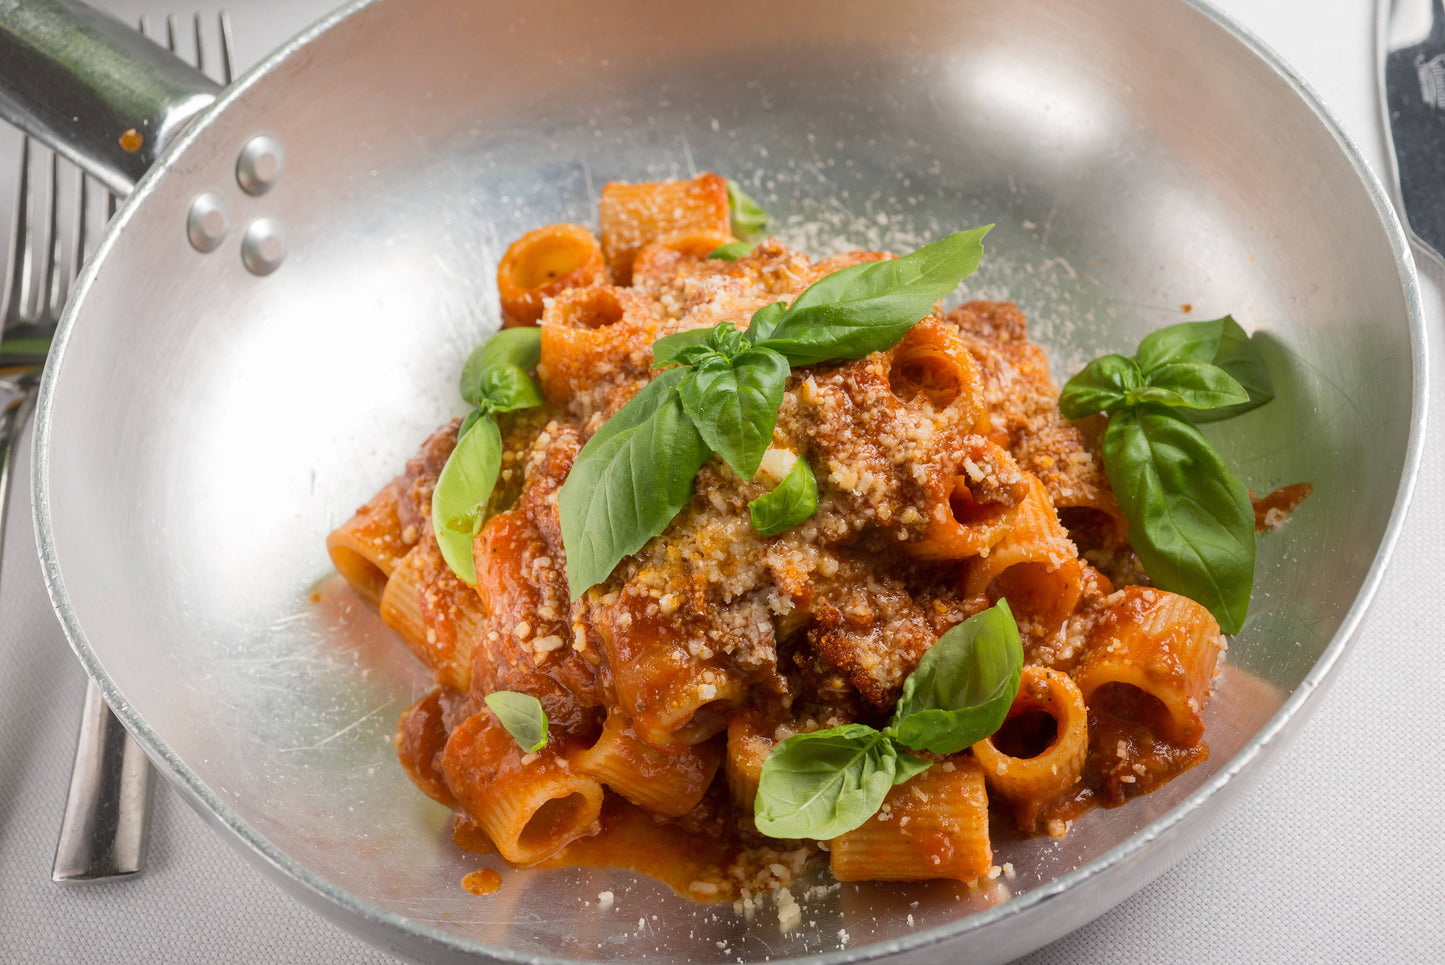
(1335,856)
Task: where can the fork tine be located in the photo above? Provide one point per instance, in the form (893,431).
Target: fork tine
(17,274)
(228,47)
(52,294)
(82,219)
(171,32)
(200,42)
(77,236)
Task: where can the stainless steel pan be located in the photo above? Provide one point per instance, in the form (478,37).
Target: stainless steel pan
(208,415)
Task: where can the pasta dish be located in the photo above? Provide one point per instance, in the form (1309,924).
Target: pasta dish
(708,593)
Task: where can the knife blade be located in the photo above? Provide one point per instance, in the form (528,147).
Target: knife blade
(1412,81)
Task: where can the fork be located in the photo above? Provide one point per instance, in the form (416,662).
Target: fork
(107,810)
(36,285)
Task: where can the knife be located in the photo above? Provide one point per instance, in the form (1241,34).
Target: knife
(1412,82)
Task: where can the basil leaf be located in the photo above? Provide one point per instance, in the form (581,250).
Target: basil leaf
(964,685)
(909,767)
(765,319)
(734,404)
(732,251)
(522,715)
(748,217)
(1185,342)
(1190,520)
(505,388)
(1103,384)
(665,351)
(826,783)
(1195,385)
(469,421)
(516,348)
(868,307)
(1238,356)
(461,494)
(789,503)
(628,482)
(727,341)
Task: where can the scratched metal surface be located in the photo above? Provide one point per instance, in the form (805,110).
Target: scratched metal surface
(259,413)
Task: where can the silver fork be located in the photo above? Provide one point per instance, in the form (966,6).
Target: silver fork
(37,282)
(107,811)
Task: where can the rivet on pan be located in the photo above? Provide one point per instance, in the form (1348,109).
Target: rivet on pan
(207,222)
(264,246)
(259,165)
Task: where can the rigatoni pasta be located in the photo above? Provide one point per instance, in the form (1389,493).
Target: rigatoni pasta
(940,465)
(935,826)
(544,263)
(634,215)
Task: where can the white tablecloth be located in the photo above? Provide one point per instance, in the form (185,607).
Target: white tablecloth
(1334,856)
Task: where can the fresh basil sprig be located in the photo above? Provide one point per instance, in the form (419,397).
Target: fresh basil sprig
(828,782)
(722,392)
(793,500)
(1190,519)
(732,395)
(747,216)
(496,378)
(523,717)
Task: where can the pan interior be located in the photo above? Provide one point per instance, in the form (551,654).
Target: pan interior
(207,428)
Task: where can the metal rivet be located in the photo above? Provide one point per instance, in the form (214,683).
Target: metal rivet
(259,165)
(207,222)
(263,247)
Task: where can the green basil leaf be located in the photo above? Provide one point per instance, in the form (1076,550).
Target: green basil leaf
(1238,356)
(629,481)
(789,503)
(1103,384)
(764,320)
(469,421)
(1194,385)
(517,348)
(523,716)
(734,404)
(964,685)
(505,388)
(665,351)
(727,341)
(732,251)
(909,767)
(868,307)
(1190,519)
(1185,342)
(748,217)
(826,783)
(461,494)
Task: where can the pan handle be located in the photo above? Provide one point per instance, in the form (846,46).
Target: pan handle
(93,88)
